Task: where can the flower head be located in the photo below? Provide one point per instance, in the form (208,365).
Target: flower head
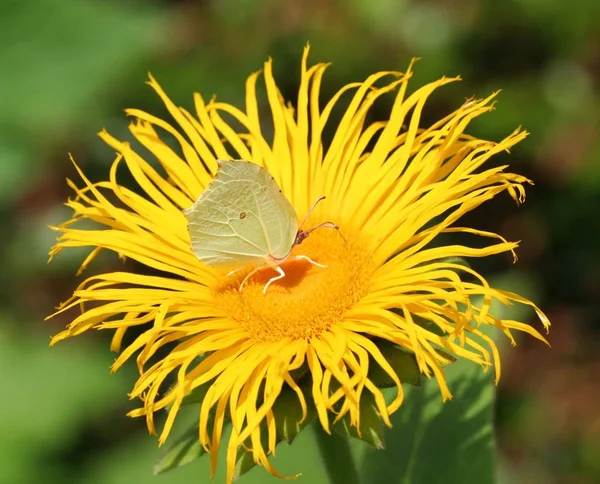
(392,188)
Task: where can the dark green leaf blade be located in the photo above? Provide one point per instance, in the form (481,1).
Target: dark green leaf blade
(371,428)
(184,450)
(288,414)
(402,362)
(437,442)
(244,462)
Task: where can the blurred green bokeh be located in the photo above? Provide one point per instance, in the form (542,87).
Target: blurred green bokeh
(69,67)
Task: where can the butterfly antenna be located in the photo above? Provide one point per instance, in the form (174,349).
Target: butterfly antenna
(310,211)
(324,225)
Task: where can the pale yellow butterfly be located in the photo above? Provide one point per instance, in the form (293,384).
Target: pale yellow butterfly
(243,218)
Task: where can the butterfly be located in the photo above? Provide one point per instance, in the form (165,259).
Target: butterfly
(242,218)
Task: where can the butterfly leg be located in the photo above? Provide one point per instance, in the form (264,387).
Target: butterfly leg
(273,279)
(250,274)
(300,257)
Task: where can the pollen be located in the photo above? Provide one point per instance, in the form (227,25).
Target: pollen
(309,299)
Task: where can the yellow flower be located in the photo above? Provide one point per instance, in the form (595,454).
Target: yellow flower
(392,187)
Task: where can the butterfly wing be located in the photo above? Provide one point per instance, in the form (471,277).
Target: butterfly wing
(241,217)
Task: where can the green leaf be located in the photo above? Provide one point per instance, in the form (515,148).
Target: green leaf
(298,373)
(371,429)
(402,362)
(435,441)
(288,413)
(196,395)
(184,450)
(428,325)
(288,416)
(444,354)
(459,261)
(244,461)
(423,322)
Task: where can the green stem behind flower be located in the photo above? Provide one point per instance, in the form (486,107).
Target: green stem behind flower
(338,459)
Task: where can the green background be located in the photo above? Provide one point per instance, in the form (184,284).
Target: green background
(69,68)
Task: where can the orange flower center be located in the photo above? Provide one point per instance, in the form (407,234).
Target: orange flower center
(309,299)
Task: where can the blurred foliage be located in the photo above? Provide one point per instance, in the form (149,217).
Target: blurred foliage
(69,67)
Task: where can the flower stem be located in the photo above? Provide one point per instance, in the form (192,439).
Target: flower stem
(338,459)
